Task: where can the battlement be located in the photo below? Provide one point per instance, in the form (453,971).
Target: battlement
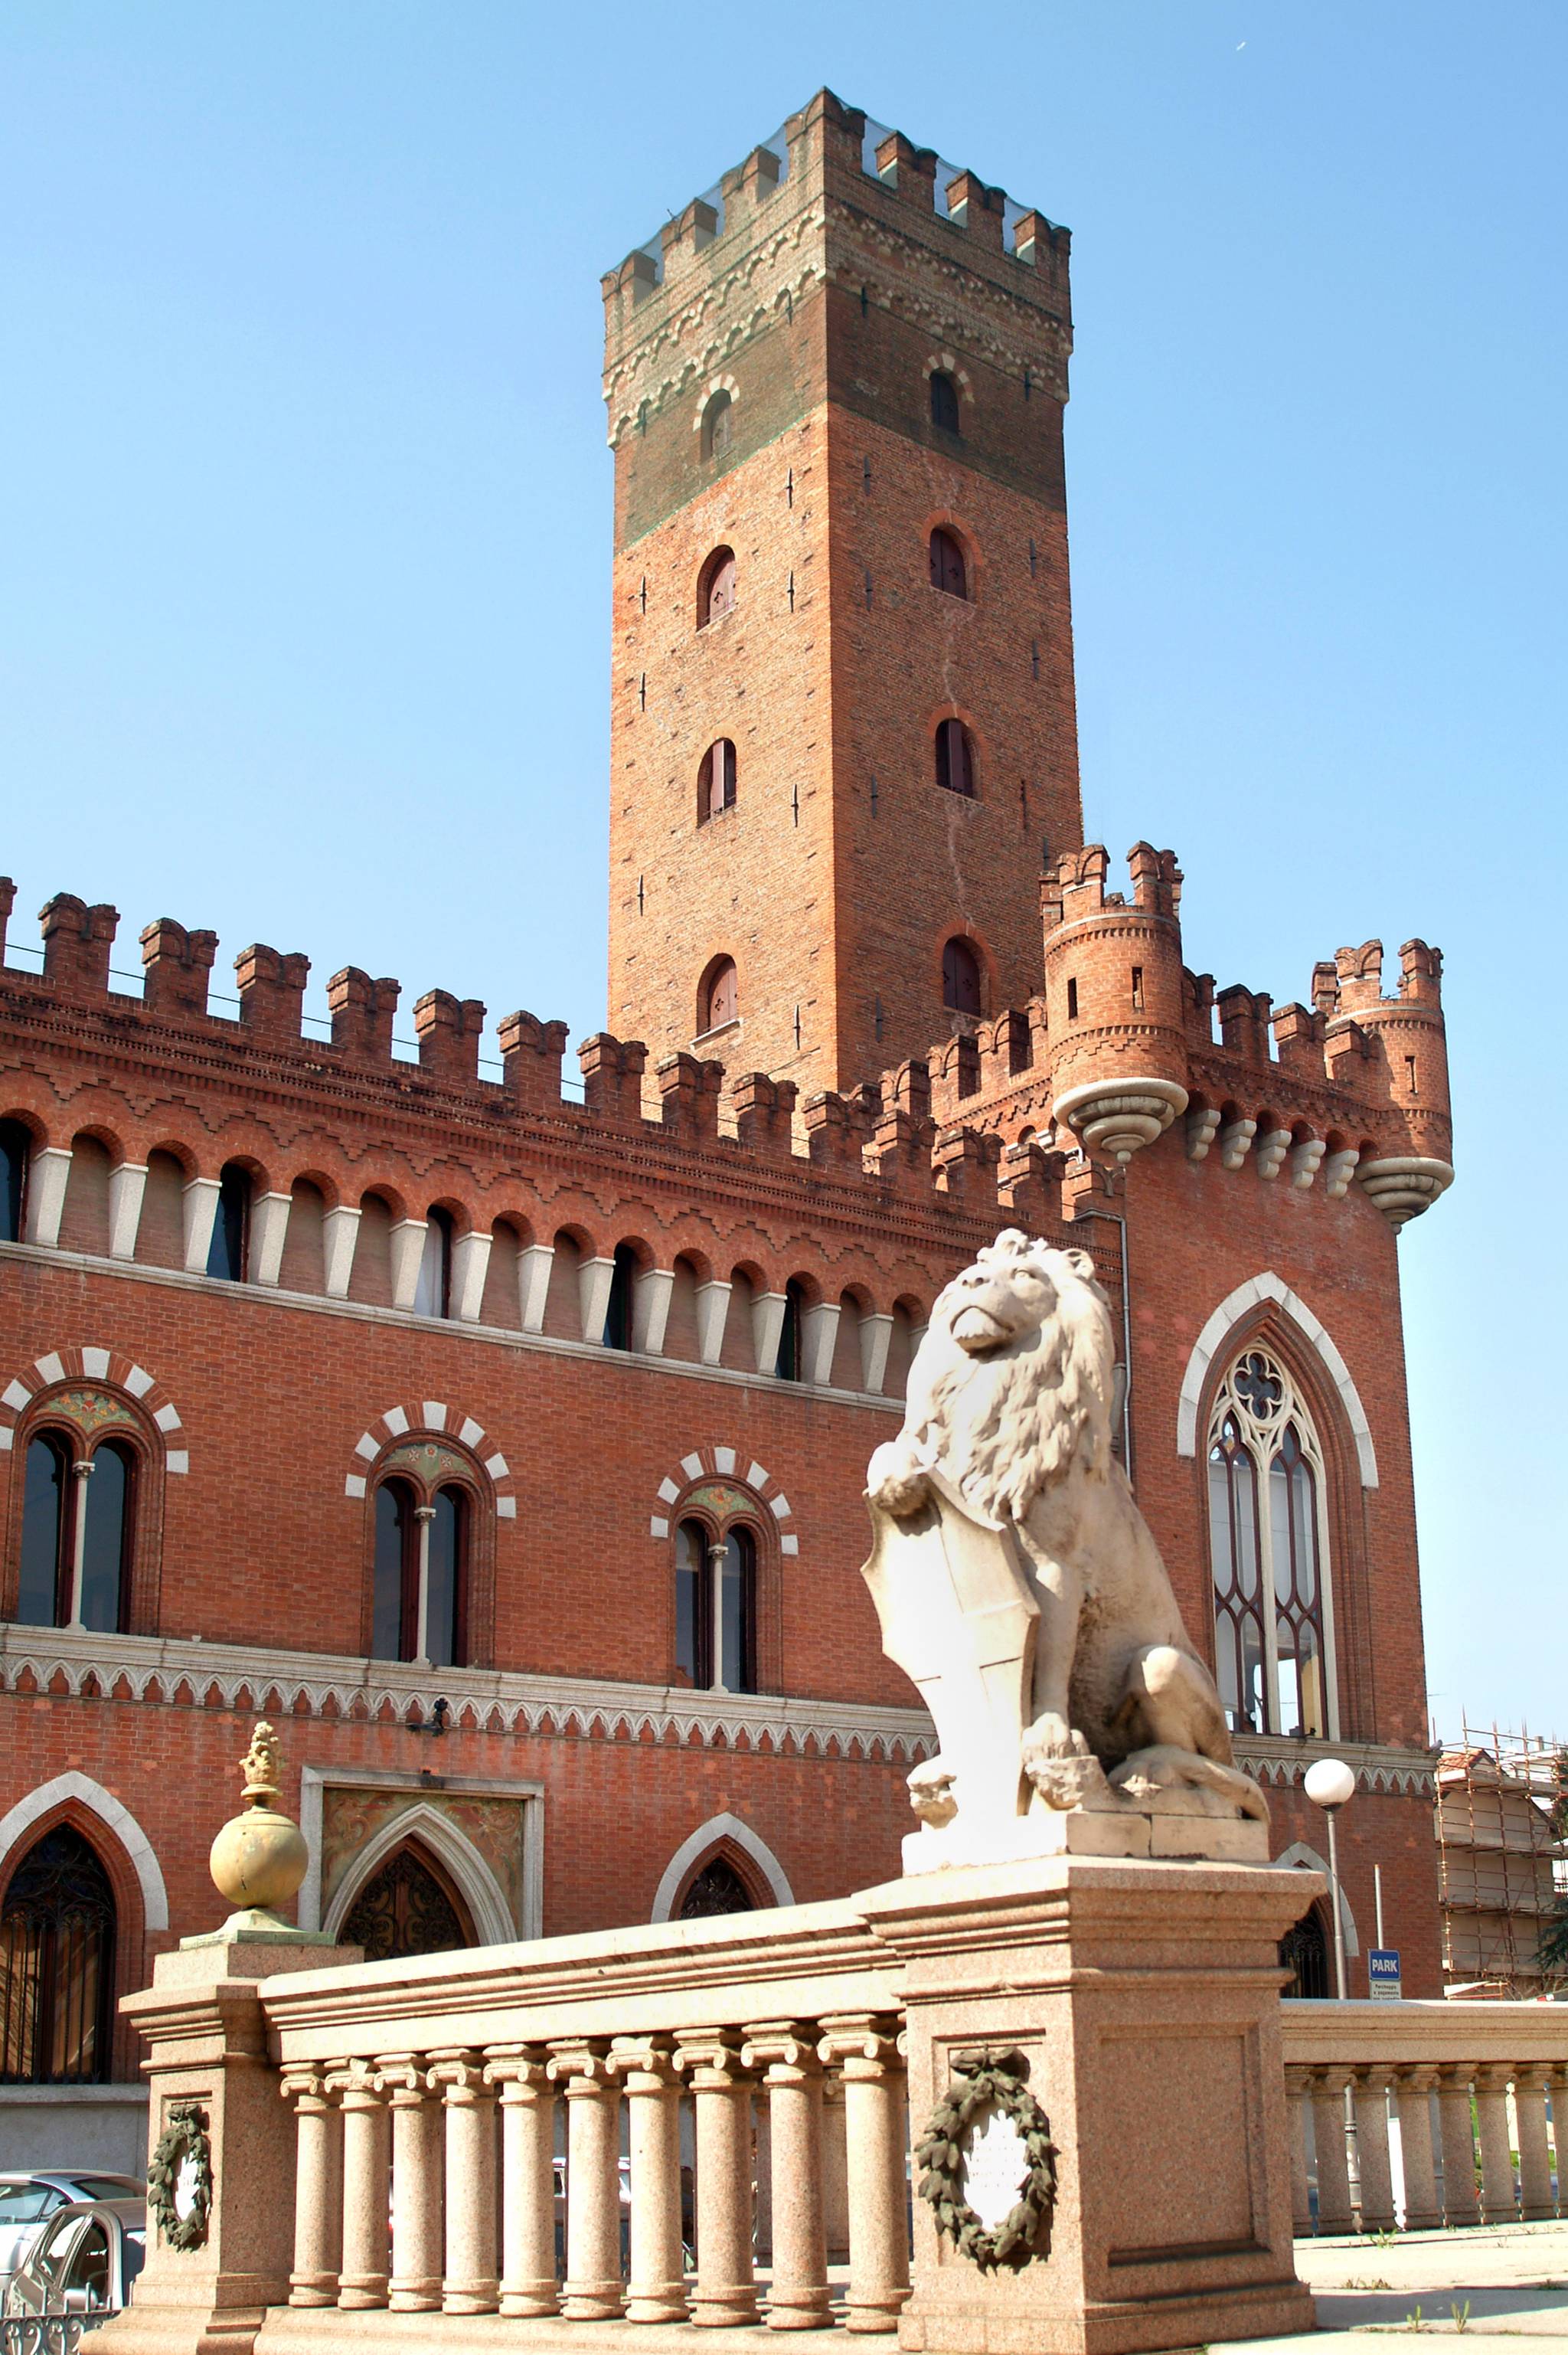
(825,136)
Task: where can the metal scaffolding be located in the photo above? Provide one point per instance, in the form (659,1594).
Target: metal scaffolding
(1503,1847)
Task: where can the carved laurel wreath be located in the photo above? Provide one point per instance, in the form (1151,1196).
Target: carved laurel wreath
(185,2136)
(990,2082)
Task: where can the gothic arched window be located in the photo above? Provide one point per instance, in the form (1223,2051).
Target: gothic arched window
(57,1965)
(1304,1953)
(1268,1555)
(717,1888)
(409,1907)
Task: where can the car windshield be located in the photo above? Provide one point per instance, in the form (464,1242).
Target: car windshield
(25,2204)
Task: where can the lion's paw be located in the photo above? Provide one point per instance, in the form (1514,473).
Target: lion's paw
(896,1486)
(930,1789)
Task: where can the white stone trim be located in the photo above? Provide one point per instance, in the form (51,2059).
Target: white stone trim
(435,1418)
(486,1900)
(719,1462)
(1299,1854)
(45,1373)
(114,1818)
(1210,1343)
(713,1834)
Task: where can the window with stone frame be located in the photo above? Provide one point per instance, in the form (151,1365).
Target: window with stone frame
(81,1469)
(57,1965)
(424,1508)
(1268,1554)
(408,1906)
(716,1603)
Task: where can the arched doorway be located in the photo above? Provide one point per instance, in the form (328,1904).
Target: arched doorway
(716,1888)
(410,1906)
(57,1965)
(1304,1953)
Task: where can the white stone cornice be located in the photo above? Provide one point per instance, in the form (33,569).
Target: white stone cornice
(1279,1762)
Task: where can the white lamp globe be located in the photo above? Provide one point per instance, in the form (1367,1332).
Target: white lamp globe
(1330,1783)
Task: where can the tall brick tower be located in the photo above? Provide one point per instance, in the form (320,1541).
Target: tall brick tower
(842,729)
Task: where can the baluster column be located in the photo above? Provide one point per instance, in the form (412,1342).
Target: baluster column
(1499,2203)
(593,2292)
(721,2089)
(1297,2094)
(835,2172)
(366,2159)
(470,2285)
(646,2067)
(527,2179)
(792,2074)
(318,2188)
(1412,2089)
(1529,2087)
(876,2124)
(1334,2213)
(1461,2205)
(1370,2096)
(418,2184)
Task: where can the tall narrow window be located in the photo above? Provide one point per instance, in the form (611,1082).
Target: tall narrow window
(105,1553)
(791,1363)
(948,569)
(737,1581)
(693,1607)
(715,780)
(960,978)
(617,1313)
(433,1290)
(716,587)
(444,1633)
(44,1593)
(718,1001)
(716,426)
(394,1606)
(231,1225)
(1273,1617)
(57,1965)
(15,1148)
(944,401)
(955,759)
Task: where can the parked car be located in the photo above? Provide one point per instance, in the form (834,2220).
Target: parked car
(83,2262)
(29,2200)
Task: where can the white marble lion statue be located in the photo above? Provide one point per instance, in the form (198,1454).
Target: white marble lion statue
(1009,1417)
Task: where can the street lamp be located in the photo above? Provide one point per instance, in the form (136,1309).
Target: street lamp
(1329,1785)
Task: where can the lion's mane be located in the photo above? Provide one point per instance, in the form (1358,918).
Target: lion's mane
(1007,1424)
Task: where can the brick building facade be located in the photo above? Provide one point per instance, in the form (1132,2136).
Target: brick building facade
(504,1435)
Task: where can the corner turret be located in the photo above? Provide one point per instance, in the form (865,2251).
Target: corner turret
(1115,999)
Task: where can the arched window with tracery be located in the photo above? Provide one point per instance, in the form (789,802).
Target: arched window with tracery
(78,1500)
(716,1888)
(1268,1554)
(1304,1953)
(420,1575)
(716,1603)
(716,587)
(409,1906)
(57,1965)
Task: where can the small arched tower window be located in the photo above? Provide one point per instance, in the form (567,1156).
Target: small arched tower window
(57,1965)
(790,1365)
(15,1149)
(718,999)
(715,425)
(960,978)
(948,572)
(955,759)
(716,587)
(944,401)
(715,781)
(618,1309)
(226,1255)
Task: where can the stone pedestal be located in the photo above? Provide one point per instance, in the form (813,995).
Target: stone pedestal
(208,2043)
(1142,2002)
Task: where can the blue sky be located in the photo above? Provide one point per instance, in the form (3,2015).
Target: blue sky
(305,527)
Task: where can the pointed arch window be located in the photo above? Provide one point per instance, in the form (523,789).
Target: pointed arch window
(57,1965)
(1268,1555)
(716,1888)
(409,1907)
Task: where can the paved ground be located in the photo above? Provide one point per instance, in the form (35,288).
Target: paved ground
(1499,2283)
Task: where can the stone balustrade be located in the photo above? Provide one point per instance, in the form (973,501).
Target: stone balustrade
(1418,2115)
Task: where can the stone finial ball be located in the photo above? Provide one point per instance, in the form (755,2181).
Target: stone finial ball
(1330,1783)
(259,1859)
